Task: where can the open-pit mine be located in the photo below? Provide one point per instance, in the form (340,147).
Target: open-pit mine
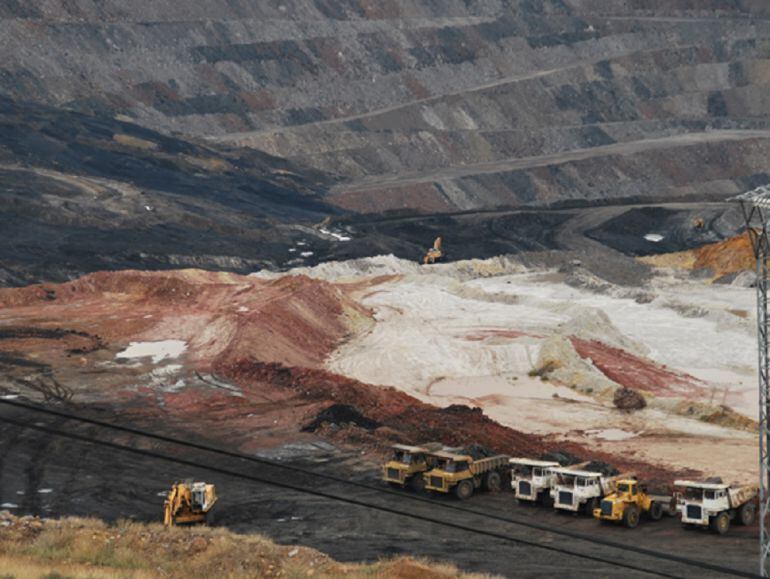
(252,248)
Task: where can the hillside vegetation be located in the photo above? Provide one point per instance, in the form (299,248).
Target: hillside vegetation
(31,548)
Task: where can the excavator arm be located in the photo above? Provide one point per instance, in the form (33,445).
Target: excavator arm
(434,254)
(170,506)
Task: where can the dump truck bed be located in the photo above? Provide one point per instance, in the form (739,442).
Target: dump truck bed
(741,495)
(490,463)
(534,462)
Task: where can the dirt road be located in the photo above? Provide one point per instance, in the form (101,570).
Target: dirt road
(544,236)
(516,164)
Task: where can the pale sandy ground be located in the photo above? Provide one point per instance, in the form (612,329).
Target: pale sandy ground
(470,333)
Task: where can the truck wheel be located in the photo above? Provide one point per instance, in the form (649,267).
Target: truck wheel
(417,484)
(493,482)
(464,489)
(747,514)
(656,511)
(588,508)
(720,524)
(631,516)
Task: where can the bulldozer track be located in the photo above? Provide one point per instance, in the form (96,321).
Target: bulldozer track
(433,505)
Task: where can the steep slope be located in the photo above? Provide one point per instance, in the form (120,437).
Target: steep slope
(434,106)
(83,193)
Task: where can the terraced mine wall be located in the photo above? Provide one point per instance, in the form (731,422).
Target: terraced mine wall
(243,124)
(437,106)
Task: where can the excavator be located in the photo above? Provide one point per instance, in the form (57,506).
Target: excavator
(434,254)
(698,223)
(189,503)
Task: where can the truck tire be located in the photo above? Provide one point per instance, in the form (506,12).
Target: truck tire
(589,506)
(720,524)
(631,516)
(656,511)
(417,483)
(747,513)
(493,482)
(464,489)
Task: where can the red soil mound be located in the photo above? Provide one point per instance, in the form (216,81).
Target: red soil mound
(293,320)
(400,412)
(637,373)
(404,418)
(232,387)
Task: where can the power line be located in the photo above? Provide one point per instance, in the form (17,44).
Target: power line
(401,495)
(325,495)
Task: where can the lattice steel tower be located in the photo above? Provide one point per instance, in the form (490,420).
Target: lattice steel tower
(756,211)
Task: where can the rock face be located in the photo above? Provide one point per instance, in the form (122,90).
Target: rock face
(392,106)
(627,399)
(442,105)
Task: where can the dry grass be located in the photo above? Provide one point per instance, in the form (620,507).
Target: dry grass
(88,548)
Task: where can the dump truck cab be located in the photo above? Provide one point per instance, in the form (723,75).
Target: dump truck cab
(407,465)
(448,471)
(629,501)
(715,504)
(531,479)
(575,490)
(462,475)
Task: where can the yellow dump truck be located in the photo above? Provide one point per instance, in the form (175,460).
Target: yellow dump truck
(462,475)
(629,501)
(189,503)
(408,464)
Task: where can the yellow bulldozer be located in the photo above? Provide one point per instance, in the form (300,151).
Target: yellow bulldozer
(629,501)
(189,503)
(434,254)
